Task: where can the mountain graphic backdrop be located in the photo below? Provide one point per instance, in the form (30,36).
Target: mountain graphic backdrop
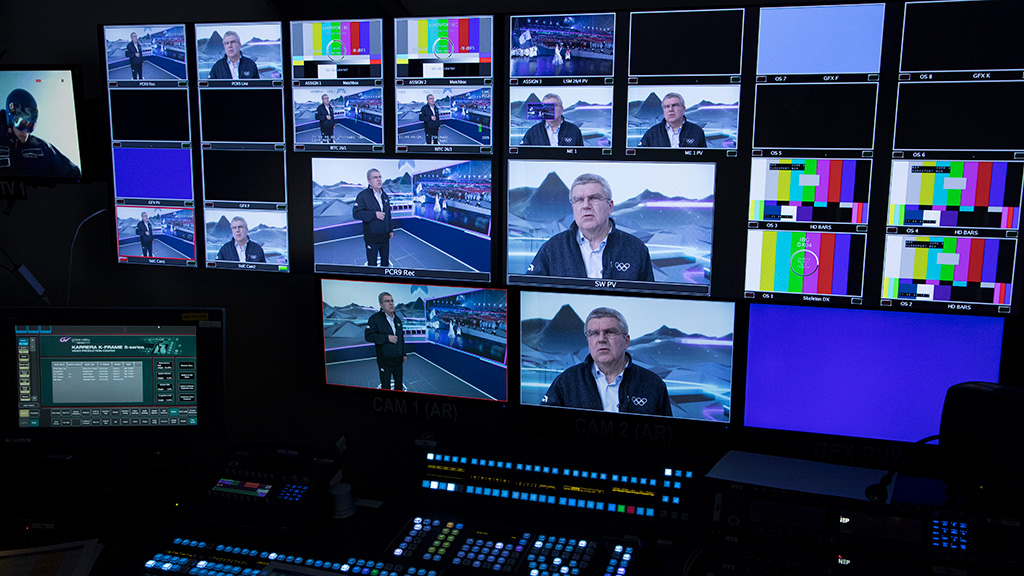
(697,369)
(679,238)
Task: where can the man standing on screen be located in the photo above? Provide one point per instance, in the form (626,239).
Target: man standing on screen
(674,131)
(385,330)
(373,208)
(608,379)
(234,66)
(25,155)
(431,118)
(133,52)
(593,247)
(240,248)
(145,231)
(325,114)
(554,132)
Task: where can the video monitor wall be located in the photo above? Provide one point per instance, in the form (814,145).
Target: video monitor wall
(657,219)
(406,218)
(817,77)
(151,136)
(677,354)
(684,88)
(444,84)
(955,193)
(441,340)
(337,85)
(242,134)
(40,140)
(561,76)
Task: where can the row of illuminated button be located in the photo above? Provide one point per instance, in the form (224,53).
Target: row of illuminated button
(491,555)
(542,498)
(293,492)
(82,422)
(551,555)
(620,560)
(628,479)
(74,412)
(440,545)
(166,562)
(175,563)
(24,371)
(949,534)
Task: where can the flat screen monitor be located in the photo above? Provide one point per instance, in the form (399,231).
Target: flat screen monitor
(40,139)
(562,45)
(657,217)
(442,340)
(878,374)
(445,47)
(113,374)
(675,356)
(587,110)
(435,220)
(337,85)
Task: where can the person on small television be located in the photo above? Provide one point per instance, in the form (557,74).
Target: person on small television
(240,248)
(133,52)
(385,330)
(674,131)
(608,379)
(234,65)
(325,114)
(25,155)
(593,247)
(145,231)
(373,209)
(431,118)
(556,131)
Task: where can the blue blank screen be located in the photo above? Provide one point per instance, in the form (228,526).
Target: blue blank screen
(862,373)
(158,173)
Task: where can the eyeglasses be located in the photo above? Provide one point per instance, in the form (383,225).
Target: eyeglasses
(592,199)
(608,333)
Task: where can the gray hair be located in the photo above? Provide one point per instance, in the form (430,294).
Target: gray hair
(380,297)
(603,312)
(371,171)
(552,95)
(232,33)
(589,178)
(240,219)
(674,95)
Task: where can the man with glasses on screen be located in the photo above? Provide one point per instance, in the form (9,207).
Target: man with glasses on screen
(385,330)
(608,379)
(593,247)
(234,65)
(674,131)
(25,155)
(553,131)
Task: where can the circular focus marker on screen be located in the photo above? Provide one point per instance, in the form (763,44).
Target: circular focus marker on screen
(435,49)
(336,50)
(801,264)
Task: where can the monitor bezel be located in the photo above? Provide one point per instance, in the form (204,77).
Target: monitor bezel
(210,352)
(85,164)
